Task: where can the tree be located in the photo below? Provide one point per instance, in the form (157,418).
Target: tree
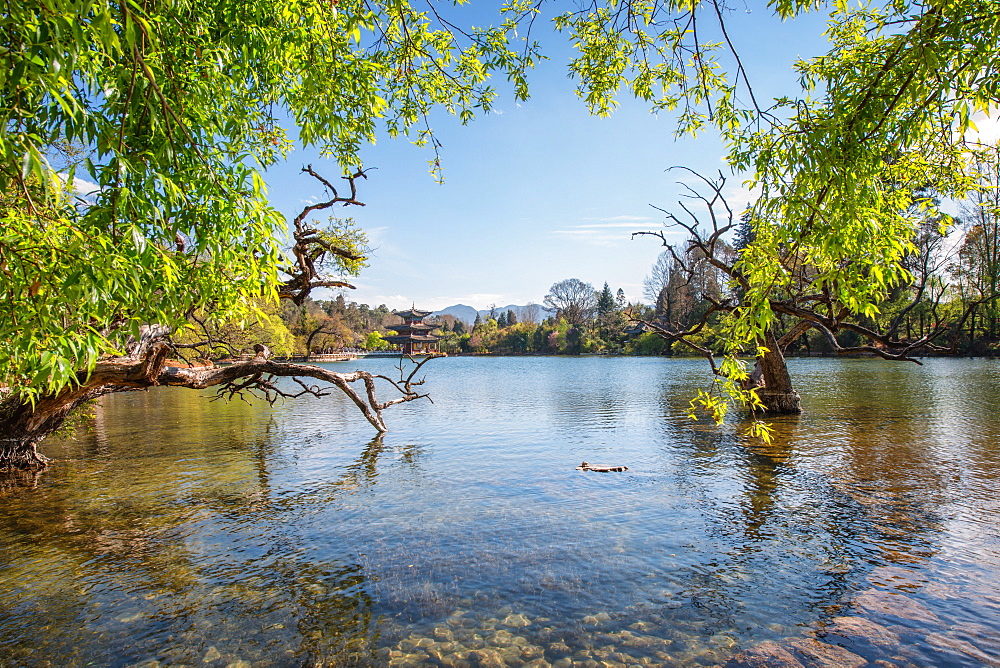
(573,300)
(605,301)
(977,269)
(375,341)
(889,113)
(768,388)
(655,284)
(531,313)
(922,297)
(176,107)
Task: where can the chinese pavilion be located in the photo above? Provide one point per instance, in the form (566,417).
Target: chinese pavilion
(414,336)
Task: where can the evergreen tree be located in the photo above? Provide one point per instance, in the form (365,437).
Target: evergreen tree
(605,301)
(511,318)
(744,232)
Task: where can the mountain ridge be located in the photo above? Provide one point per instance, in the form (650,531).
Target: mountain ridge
(468,314)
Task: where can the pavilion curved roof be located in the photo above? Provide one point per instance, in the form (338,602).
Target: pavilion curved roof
(413,325)
(412,314)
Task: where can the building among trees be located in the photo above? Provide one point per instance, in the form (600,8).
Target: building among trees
(414,337)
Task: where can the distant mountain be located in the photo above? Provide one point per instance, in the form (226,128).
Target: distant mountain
(468,314)
(464,313)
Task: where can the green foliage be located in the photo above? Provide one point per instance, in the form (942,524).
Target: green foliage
(177,105)
(648,343)
(375,341)
(729,389)
(344,234)
(227,338)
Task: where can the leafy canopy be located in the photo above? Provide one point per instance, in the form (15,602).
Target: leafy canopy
(174,106)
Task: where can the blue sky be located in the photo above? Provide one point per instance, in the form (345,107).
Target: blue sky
(539,191)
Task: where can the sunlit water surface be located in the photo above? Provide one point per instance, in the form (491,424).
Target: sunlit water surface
(184,531)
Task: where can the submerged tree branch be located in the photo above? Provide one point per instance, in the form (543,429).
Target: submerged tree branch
(23,425)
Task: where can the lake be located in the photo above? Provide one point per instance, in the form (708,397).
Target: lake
(179,531)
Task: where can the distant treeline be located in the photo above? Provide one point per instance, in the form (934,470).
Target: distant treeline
(585,321)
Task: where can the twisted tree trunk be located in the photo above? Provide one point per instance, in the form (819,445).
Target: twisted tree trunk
(23,425)
(771,377)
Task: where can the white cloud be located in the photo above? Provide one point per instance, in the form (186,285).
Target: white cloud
(613,219)
(376,234)
(606,234)
(638,224)
(477,300)
(593,237)
(612,231)
(84,187)
(81,187)
(392,301)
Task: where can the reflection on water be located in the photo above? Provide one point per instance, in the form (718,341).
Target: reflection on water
(183,532)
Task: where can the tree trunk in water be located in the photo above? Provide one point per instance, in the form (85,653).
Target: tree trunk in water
(972,333)
(23,427)
(19,454)
(776,392)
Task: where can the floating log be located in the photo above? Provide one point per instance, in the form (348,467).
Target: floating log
(601,469)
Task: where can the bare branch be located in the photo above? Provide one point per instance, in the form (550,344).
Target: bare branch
(873,350)
(310,247)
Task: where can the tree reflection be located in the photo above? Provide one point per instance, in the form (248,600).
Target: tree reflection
(794,526)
